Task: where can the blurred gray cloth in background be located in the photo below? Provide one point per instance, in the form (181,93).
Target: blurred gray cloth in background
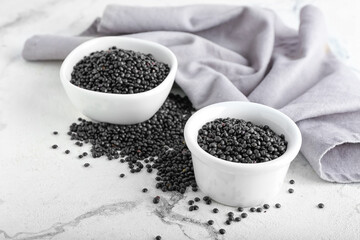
(247,54)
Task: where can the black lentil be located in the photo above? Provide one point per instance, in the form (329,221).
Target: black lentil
(54,146)
(210,222)
(237,219)
(55,133)
(144,190)
(230,214)
(85,154)
(278,205)
(292,181)
(222,231)
(291,190)
(119,71)
(227,222)
(80,156)
(215,210)
(158,237)
(266,206)
(244,215)
(191,202)
(159,139)
(191,208)
(321,205)
(259,209)
(252,209)
(196,207)
(86,164)
(240,209)
(197,199)
(240,141)
(67,151)
(122,175)
(156,200)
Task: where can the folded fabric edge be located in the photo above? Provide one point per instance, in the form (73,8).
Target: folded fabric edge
(29,44)
(334,176)
(46,47)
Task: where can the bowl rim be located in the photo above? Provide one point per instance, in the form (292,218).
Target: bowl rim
(195,148)
(88,44)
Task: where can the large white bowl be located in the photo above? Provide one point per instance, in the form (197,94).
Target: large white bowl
(118,108)
(241,184)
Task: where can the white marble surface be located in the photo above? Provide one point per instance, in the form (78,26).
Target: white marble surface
(45,194)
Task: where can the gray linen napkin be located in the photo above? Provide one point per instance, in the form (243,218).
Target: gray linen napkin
(248,54)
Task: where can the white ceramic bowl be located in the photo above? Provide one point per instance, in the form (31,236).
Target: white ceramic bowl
(118,108)
(240,184)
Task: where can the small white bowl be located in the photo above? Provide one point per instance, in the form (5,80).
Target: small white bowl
(118,108)
(241,184)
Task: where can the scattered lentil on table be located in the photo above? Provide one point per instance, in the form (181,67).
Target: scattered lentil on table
(159,144)
(159,140)
(321,205)
(156,200)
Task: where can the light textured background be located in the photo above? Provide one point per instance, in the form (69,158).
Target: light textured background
(45,194)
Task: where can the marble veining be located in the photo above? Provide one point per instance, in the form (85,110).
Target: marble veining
(165,213)
(22,18)
(58,228)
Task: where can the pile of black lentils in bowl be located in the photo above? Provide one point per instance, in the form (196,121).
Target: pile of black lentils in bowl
(119,71)
(240,141)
